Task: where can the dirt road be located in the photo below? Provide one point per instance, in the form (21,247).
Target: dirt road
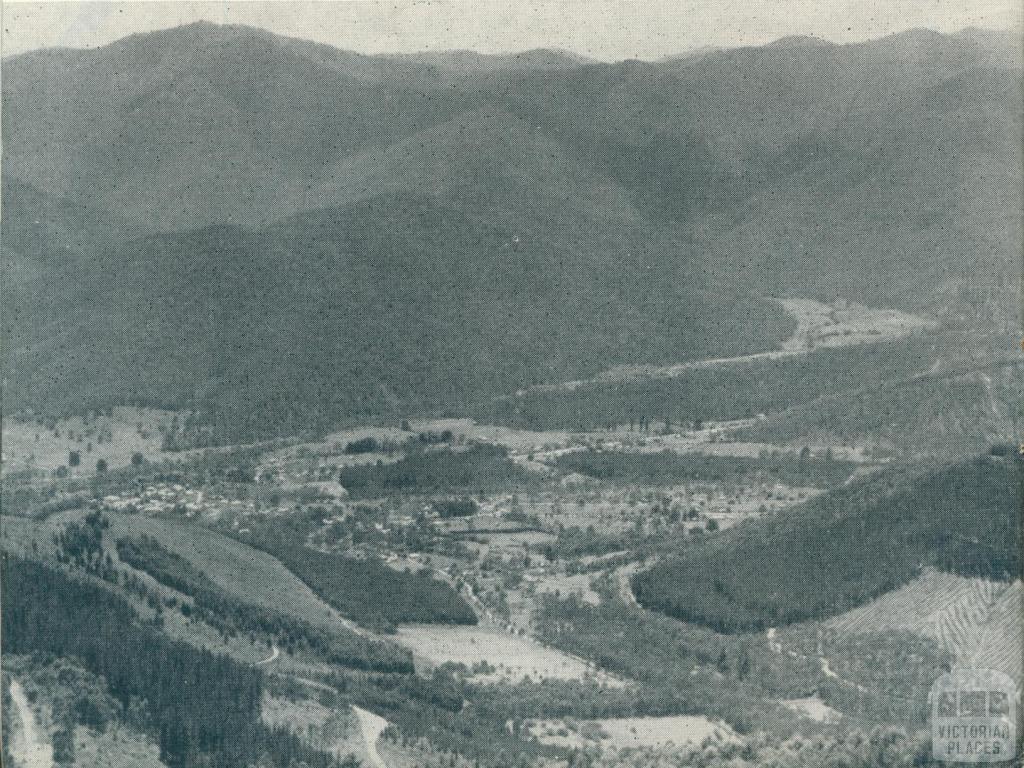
(624,576)
(372,727)
(276,652)
(826,669)
(29,747)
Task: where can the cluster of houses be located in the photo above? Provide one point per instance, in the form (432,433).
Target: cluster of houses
(169,498)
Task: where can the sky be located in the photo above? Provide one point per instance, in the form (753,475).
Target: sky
(609,30)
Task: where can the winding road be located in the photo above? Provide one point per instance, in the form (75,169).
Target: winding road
(276,652)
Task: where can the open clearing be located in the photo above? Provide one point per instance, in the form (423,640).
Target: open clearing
(813,708)
(510,658)
(627,732)
(846,323)
(28,445)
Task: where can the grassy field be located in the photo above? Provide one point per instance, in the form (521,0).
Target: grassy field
(630,732)
(508,658)
(845,323)
(19,533)
(239,570)
(114,439)
(812,708)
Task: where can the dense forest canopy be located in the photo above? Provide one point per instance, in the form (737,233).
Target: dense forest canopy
(215,723)
(846,547)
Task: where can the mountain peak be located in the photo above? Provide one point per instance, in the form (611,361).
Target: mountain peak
(801,41)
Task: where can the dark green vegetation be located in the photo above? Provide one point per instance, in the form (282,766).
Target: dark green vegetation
(723,392)
(884,745)
(478,469)
(468,317)
(370,592)
(369,445)
(420,706)
(843,548)
(216,725)
(686,668)
(667,468)
(275,238)
(452,714)
(146,554)
(6,707)
(365,589)
(514,224)
(456,507)
(682,669)
(81,544)
(959,411)
(217,609)
(893,672)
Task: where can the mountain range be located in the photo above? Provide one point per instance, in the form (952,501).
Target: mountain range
(217,216)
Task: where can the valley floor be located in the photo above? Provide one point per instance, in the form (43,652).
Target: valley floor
(534,534)
(818,326)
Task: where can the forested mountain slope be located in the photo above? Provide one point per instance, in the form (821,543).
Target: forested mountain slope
(198,214)
(839,550)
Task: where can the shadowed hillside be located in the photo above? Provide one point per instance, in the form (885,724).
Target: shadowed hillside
(233,219)
(381,305)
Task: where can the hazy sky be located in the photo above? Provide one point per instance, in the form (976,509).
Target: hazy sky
(605,29)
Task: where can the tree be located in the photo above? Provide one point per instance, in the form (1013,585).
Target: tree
(101,465)
(64,745)
(805,454)
(743,664)
(137,459)
(74,459)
